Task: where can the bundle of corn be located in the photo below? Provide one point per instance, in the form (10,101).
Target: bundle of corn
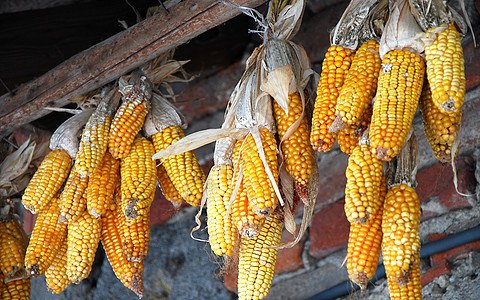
(249,187)
(14,280)
(444,93)
(338,105)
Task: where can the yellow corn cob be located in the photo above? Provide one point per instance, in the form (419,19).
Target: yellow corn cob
(409,286)
(222,234)
(183,169)
(401,239)
(259,188)
(82,237)
(47,180)
(296,149)
(334,69)
(445,68)
(129,273)
(349,137)
(354,100)
(440,128)
(128,121)
(56,275)
(399,88)
(257,261)
(138,173)
(101,185)
(72,200)
(135,235)
(365,245)
(167,187)
(47,237)
(12,250)
(94,141)
(364,178)
(16,290)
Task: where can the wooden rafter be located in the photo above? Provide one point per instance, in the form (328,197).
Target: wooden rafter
(114,57)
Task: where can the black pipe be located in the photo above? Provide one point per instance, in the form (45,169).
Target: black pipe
(441,245)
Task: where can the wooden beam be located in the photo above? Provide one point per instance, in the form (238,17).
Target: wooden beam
(114,57)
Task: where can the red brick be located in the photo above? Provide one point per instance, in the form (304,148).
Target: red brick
(472,66)
(329,230)
(290,259)
(28,221)
(435,183)
(436,236)
(230,280)
(440,268)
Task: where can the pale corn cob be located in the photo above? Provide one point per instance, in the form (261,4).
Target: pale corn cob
(446,68)
(256,262)
(222,233)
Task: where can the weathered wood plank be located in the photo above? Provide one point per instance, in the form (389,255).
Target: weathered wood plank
(113,57)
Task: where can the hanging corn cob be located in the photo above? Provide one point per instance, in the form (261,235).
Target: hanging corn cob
(128,272)
(46,239)
(138,175)
(168,189)
(441,129)
(400,225)
(443,52)
(364,178)
(72,200)
(164,125)
(257,259)
(13,243)
(130,115)
(355,96)
(349,138)
(56,275)
(365,245)
(94,140)
(101,185)
(399,84)
(54,169)
(335,66)
(16,290)
(83,236)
